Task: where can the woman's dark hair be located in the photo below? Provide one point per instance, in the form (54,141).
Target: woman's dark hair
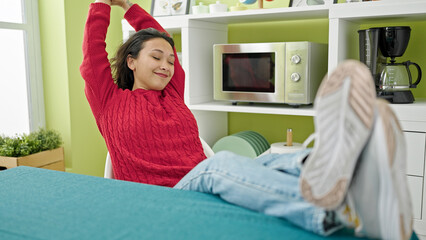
(122,74)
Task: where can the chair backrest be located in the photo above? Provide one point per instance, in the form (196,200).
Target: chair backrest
(108,173)
(208,151)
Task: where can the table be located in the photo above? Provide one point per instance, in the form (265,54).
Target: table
(44,204)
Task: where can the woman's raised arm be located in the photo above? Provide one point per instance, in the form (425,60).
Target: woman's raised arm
(95,68)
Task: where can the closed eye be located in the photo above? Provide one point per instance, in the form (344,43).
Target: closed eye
(171,59)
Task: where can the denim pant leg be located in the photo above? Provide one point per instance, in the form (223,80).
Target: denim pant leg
(287,162)
(252,184)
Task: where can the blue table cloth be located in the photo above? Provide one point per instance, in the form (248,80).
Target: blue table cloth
(43,204)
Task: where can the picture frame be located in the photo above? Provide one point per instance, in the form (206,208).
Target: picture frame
(181,7)
(171,7)
(304,3)
(160,8)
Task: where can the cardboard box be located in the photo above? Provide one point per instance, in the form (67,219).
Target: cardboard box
(52,159)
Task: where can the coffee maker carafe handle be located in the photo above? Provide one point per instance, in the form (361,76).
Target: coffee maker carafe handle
(419,75)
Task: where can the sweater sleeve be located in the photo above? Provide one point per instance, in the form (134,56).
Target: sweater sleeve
(95,68)
(139,19)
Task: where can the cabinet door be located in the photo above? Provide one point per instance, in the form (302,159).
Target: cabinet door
(415,185)
(415,152)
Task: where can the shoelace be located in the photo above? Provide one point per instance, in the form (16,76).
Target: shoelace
(348,216)
(309,140)
(346,212)
(349,211)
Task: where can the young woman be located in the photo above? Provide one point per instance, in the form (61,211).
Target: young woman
(153,137)
(150,133)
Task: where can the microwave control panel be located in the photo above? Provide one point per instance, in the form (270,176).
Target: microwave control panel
(306,65)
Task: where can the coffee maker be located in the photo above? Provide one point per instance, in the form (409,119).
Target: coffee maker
(393,80)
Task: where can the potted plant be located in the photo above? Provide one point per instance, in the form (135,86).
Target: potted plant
(40,149)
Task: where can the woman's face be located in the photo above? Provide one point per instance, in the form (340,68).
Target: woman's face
(154,66)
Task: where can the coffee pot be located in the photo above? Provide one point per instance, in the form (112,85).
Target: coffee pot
(397,77)
(393,80)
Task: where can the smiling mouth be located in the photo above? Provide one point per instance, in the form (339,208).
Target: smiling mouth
(162,75)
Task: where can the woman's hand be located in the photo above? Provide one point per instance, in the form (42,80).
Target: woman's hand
(125,4)
(104,1)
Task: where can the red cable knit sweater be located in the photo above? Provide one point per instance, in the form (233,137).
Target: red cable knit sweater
(152,136)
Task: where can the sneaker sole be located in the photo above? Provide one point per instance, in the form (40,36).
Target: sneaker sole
(395,209)
(343,123)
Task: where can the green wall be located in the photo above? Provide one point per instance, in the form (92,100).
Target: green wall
(61,32)
(67,110)
(55,70)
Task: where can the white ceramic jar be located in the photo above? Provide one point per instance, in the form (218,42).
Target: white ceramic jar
(200,9)
(238,7)
(218,7)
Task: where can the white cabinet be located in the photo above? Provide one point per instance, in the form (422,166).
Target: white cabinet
(415,141)
(416,150)
(413,121)
(200,32)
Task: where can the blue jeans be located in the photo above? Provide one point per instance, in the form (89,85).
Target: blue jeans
(268,184)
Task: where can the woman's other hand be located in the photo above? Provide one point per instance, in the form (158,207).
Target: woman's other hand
(125,4)
(104,1)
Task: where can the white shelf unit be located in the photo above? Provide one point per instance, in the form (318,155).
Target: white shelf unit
(345,21)
(200,32)
(257,108)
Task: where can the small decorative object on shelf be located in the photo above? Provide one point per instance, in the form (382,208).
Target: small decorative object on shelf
(160,8)
(260,2)
(218,7)
(200,9)
(348,1)
(301,3)
(40,149)
(238,7)
(171,7)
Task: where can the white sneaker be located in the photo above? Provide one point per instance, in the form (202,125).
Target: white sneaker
(379,189)
(344,117)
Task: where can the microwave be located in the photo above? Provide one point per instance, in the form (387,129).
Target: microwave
(278,72)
